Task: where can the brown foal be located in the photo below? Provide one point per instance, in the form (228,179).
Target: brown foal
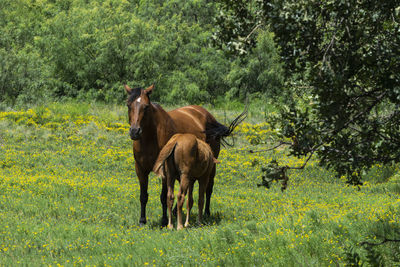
(187,159)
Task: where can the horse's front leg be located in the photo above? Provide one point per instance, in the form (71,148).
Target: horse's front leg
(202,189)
(144,196)
(163,199)
(209,191)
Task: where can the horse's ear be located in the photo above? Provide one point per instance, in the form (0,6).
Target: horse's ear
(128,89)
(216,161)
(149,89)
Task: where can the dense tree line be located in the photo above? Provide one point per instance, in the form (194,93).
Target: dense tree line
(88,49)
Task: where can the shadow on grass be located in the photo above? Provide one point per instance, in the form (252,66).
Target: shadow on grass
(213,219)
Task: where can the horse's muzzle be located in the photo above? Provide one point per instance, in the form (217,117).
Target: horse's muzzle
(135,133)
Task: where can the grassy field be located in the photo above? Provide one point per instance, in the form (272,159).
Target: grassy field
(69,196)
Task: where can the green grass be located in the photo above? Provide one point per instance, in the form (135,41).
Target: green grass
(69,195)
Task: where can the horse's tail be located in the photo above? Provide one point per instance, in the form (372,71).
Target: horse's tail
(167,151)
(217,130)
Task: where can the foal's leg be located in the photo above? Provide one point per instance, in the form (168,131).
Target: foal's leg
(190,201)
(181,198)
(170,201)
(174,211)
(202,189)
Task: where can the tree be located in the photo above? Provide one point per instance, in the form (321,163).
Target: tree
(23,73)
(348,54)
(88,49)
(260,71)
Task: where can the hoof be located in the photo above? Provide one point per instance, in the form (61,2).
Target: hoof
(164,222)
(142,222)
(187,225)
(179,227)
(170,226)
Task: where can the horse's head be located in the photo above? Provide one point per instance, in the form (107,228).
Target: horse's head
(138,105)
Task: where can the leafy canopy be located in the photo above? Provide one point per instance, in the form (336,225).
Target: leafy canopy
(347,54)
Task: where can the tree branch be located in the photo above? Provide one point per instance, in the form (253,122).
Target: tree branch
(304,164)
(363,112)
(281,143)
(380,243)
(252,31)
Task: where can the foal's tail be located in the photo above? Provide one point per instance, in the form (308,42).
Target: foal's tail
(217,130)
(167,151)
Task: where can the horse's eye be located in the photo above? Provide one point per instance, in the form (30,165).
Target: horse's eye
(146,107)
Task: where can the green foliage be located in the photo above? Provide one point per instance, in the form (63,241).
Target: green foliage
(346,54)
(352,257)
(273,172)
(22,77)
(89,49)
(258,72)
(236,20)
(374,258)
(22,69)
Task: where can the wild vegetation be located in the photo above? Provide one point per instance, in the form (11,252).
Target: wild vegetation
(322,79)
(69,195)
(89,49)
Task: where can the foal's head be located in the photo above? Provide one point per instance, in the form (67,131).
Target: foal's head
(138,105)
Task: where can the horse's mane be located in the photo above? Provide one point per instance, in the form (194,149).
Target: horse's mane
(135,93)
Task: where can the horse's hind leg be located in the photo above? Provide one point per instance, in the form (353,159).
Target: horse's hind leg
(209,191)
(174,211)
(190,201)
(181,198)
(170,202)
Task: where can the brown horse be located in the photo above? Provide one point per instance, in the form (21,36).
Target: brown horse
(190,159)
(150,129)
